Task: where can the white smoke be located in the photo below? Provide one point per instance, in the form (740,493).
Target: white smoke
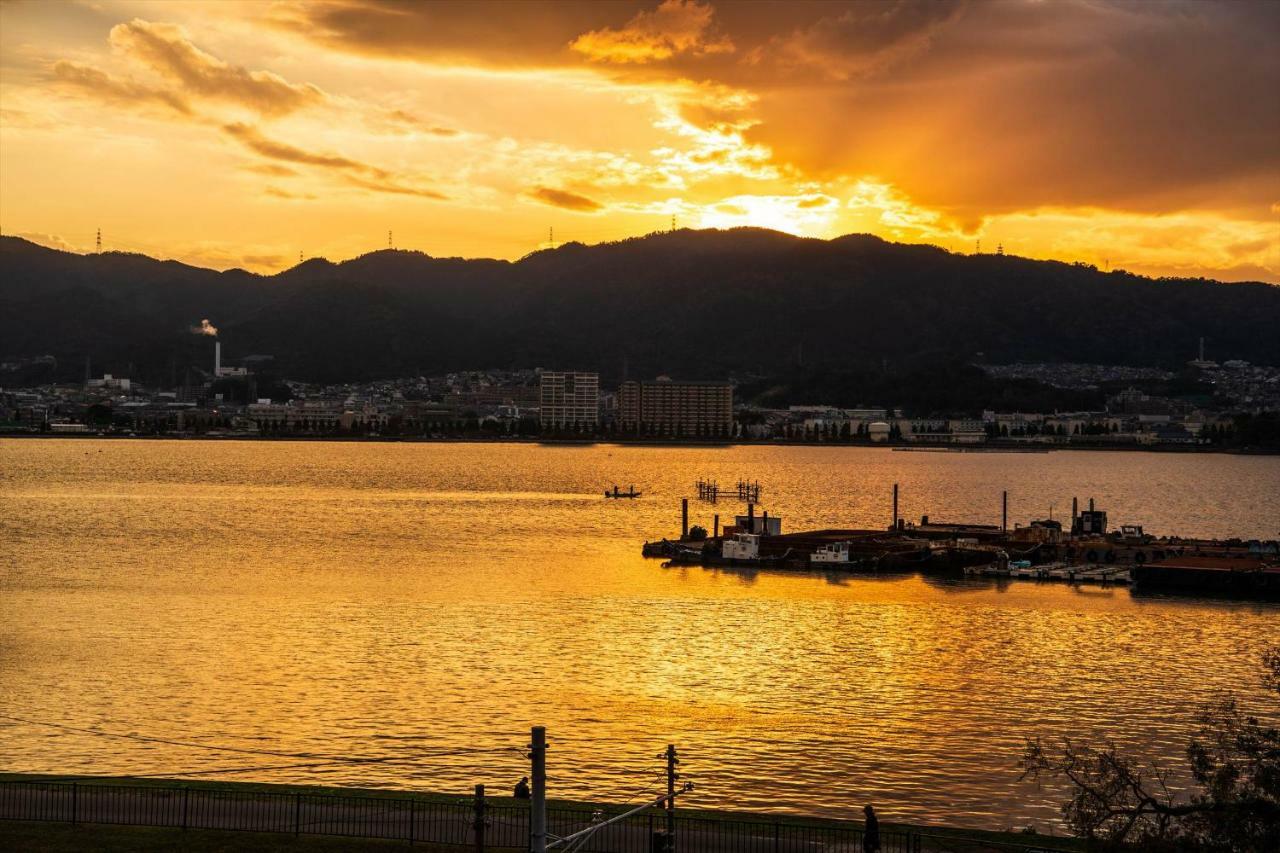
(205,328)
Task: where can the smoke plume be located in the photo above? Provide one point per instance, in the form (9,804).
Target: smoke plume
(205,328)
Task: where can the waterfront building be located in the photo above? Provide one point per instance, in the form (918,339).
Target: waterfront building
(570,400)
(668,407)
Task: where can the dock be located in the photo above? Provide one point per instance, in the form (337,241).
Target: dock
(1081,551)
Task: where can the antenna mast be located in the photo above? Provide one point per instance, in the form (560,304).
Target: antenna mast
(551,236)
(388,238)
(98,242)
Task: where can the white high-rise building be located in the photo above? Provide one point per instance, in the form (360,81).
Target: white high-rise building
(570,400)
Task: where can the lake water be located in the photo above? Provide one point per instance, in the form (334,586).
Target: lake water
(427,603)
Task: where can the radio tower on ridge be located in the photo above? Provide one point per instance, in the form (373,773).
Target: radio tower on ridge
(388,239)
(98,242)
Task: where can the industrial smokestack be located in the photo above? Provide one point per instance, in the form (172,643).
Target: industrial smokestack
(217,358)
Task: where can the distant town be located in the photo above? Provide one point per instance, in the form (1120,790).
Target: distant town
(242,400)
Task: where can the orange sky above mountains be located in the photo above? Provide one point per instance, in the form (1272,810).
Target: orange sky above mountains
(1137,135)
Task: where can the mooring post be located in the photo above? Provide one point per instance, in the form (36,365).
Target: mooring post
(538,801)
(479,818)
(1004,510)
(894,526)
(684,519)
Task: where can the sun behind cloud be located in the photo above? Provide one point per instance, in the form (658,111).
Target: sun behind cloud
(317,126)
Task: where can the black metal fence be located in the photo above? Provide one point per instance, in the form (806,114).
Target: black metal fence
(463,823)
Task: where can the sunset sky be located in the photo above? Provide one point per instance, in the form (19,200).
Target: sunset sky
(1141,135)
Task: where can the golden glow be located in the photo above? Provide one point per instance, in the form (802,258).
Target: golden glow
(433,597)
(240,134)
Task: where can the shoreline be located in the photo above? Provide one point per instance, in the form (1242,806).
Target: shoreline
(620,441)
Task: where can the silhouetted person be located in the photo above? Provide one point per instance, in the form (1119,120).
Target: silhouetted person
(522,788)
(871,832)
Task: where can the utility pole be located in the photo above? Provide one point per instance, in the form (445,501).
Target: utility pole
(672,775)
(538,801)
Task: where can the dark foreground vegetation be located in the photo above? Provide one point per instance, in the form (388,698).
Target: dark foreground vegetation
(1123,802)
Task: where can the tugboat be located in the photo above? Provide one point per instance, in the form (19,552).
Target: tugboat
(617,493)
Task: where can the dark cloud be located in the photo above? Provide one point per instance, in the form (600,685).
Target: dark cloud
(509,33)
(166,50)
(1008,106)
(270,261)
(116,90)
(565,200)
(862,38)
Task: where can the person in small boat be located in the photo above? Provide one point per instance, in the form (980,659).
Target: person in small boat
(522,788)
(871,831)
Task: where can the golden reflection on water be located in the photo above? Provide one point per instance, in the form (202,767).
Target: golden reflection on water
(397,600)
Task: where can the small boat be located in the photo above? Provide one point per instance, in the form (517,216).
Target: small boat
(618,493)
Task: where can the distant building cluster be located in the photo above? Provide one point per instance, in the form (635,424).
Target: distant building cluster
(1080,377)
(574,403)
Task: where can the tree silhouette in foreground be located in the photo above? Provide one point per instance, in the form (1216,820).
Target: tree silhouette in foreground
(1123,802)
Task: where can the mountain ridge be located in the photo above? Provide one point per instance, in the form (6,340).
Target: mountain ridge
(683,302)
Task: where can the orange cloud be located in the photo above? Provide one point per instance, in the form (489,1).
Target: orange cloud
(675,27)
(565,200)
(167,51)
(252,139)
(116,90)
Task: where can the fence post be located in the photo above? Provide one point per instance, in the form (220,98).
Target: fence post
(412,804)
(186,793)
(297,814)
(75,802)
(775,837)
(479,818)
(538,803)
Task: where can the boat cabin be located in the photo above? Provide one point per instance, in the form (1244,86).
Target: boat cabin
(743,546)
(835,552)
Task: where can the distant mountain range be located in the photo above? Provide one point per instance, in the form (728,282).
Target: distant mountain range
(687,303)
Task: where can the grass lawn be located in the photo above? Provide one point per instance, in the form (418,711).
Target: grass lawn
(39,837)
(58,836)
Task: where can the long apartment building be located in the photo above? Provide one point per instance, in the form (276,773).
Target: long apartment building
(668,407)
(570,400)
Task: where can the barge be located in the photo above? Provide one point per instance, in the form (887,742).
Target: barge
(1086,552)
